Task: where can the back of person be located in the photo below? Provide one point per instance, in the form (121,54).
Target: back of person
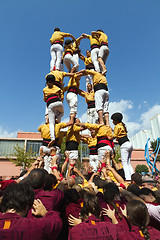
(136,234)
(15,227)
(93,228)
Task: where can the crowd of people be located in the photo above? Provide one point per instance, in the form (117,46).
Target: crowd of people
(54,199)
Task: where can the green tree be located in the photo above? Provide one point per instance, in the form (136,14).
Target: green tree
(117,154)
(21,157)
(141,168)
(153,146)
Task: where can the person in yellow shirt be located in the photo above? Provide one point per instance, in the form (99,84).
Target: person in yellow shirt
(104,50)
(120,133)
(92,145)
(69,58)
(56,49)
(52,96)
(101,94)
(90,100)
(103,133)
(89,65)
(72,141)
(95,45)
(59,76)
(72,90)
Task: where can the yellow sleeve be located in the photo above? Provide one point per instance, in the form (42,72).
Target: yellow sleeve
(116,132)
(92,126)
(90,72)
(44,96)
(62,125)
(77,128)
(39,129)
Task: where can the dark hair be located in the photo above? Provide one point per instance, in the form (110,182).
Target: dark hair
(56,30)
(137,178)
(78,180)
(71,196)
(91,205)
(100,183)
(50,78)
(147,191)
(100,30)
(50,181)
(68,41)
(17,197)
(37,178)
(134,188)
(110,191)
(138,215)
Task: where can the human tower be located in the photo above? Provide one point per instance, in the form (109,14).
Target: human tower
(96,96)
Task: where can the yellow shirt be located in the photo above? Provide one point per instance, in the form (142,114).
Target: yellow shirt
(50,91)
(58,75)
(119,131)
(69,48)
(91,142)
(93,39)
(58,36)
(45,131)
(73,82)
(89,96)
(75,45)
(73,134)
(97,77)
(87,61)
(102,130)
(58,134)
(58,127)
(103,37)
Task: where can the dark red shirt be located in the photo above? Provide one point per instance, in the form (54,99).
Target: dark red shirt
(94,229)
(136,234)
(50,199)
(124,223)
(15,227)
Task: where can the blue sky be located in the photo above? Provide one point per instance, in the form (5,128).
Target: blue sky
(133,64)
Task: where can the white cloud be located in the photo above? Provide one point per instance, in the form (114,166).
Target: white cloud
(5,134)
(146,116)
(121,106)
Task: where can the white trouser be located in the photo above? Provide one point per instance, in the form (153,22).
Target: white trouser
(68,60)
(93,160)
(94,57)
(56,51)
(102,100)
(72,101)
(126,150)
(76,58)
(103,53)
(55,111)
(47,163)
(102,150)
(92,115)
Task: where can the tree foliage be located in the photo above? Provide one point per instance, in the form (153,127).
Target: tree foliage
(117,154)
(154,146)
(21,157)
(141,168)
